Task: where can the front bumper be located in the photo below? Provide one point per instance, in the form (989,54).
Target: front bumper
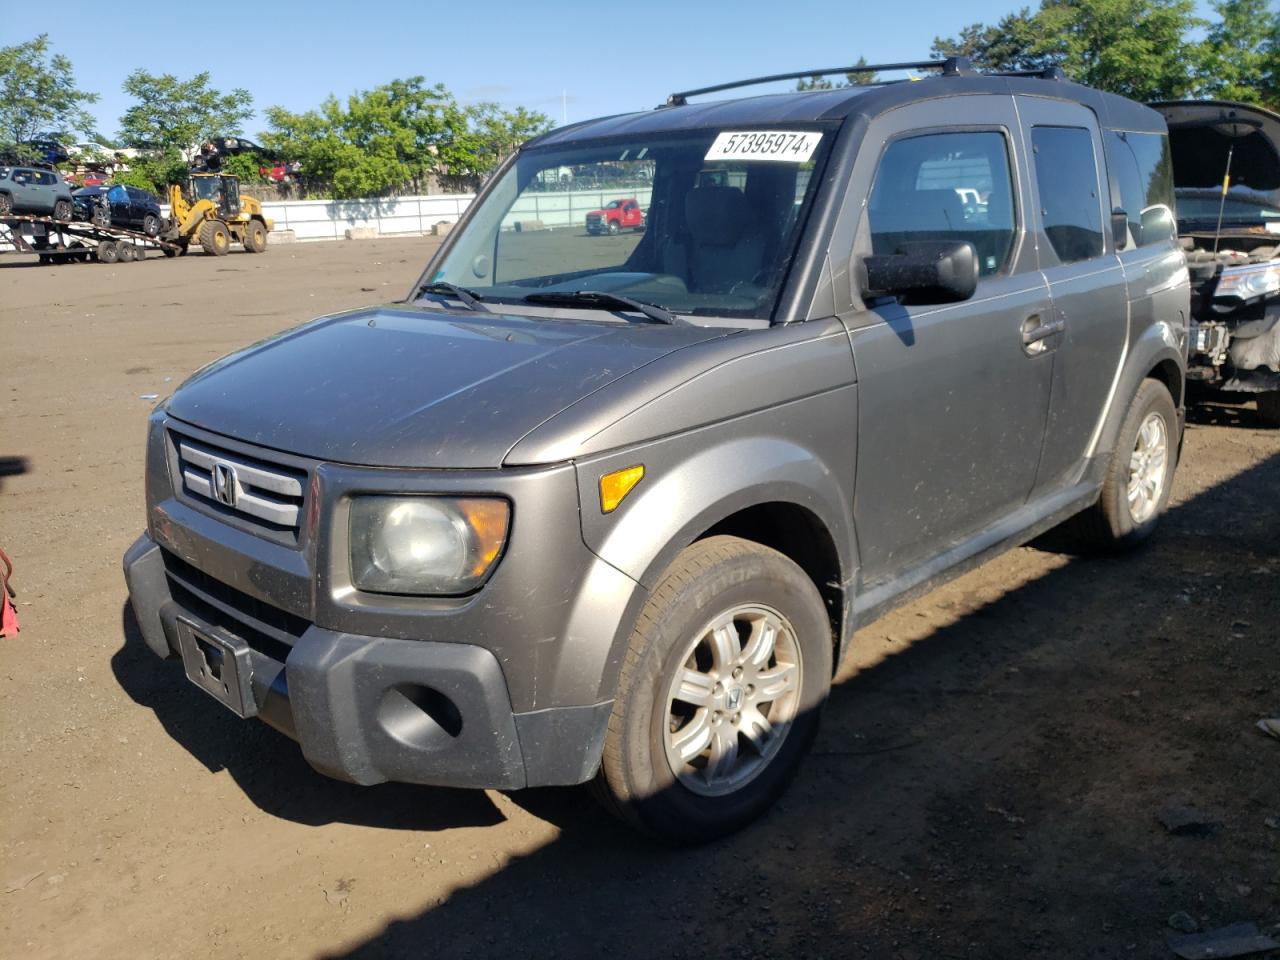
(370,709)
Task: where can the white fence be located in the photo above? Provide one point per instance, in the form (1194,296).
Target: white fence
(330,219)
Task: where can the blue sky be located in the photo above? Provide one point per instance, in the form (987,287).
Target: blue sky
(607,58)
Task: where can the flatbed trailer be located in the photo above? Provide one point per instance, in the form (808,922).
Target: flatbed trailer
(70,241)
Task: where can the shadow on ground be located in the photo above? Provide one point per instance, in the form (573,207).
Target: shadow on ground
(990,791)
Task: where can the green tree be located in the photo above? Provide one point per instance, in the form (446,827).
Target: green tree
(1240,56)
(1137,48)
(178,115)
(492,134)
(38,93)
(1014,43)
(395,137)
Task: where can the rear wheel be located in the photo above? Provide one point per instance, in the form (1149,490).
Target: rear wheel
(724,678)
(1269,407)
(215,238)
(128,252)
(1139,478)
(255,237)
(6,204)
(107,251)
(63,210)
(151,225)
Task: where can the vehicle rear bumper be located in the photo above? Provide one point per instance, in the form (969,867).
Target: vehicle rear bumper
(370,709)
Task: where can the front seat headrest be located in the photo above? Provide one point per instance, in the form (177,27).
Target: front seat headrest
(717,216)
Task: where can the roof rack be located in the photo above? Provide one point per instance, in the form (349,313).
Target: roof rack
(950,67)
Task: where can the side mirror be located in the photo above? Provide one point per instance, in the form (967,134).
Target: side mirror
(1119,228)
(924,272)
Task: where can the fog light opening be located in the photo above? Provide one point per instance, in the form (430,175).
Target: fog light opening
(417,715)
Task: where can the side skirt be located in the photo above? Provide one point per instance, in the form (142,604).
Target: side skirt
(1025,524)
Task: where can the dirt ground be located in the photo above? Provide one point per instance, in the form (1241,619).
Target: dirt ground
(987,782)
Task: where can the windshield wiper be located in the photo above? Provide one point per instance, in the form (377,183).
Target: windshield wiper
(468,297)
(601,300)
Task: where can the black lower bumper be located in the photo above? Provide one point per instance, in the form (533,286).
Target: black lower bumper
(371,709)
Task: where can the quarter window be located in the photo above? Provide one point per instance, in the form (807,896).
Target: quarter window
(1067,178)
(945,186)
(1142,170)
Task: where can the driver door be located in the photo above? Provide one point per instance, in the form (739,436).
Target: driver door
(952,399)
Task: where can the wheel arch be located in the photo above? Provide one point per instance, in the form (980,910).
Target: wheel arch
(768,490)
(1159,354)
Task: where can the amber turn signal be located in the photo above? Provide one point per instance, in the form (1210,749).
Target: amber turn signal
(615,486)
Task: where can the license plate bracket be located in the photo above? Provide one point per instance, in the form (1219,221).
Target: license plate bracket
(220,664)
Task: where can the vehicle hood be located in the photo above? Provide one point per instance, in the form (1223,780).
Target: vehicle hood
(1201,132)
(404,386)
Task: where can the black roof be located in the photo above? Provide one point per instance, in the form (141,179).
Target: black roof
(818,106)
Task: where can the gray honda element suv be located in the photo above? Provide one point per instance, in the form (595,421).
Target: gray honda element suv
(610,508)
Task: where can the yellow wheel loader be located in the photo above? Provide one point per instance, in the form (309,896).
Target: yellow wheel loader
(209,210)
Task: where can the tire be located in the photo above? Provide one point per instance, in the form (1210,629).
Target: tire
(613,228)
(255,237)
(712,583)
(107,251)
(215,238)
(6,205)
(1112,525)
(1269,408)
(128,252)
(170,251)
(63,210)
(100,215)
(184,247)
(151,225)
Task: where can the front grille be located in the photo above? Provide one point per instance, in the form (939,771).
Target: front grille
(593,220)
(266,628)
(246,487)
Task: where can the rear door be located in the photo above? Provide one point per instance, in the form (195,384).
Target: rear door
(1089,325)
(951,406)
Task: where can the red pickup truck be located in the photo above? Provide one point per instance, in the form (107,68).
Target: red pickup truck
(617,215)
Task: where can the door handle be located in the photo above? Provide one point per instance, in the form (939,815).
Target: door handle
(1036,331)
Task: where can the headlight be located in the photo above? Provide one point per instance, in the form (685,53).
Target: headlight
(1249,282)
(425,545)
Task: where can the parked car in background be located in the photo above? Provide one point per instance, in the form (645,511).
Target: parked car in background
(29,190)
(48,152)
(120,206)
(616,216)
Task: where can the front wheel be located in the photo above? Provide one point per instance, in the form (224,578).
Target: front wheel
(613,228)
(151,225)
(215,238)
(6,205)
(63,210)
(724,679)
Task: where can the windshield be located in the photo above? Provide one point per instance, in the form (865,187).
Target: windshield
(206,188)
(720,214)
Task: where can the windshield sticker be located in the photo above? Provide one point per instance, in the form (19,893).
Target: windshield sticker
(784,146)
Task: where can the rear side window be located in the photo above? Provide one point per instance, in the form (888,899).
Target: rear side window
(1067,177)
(945,186)
(1142,170)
